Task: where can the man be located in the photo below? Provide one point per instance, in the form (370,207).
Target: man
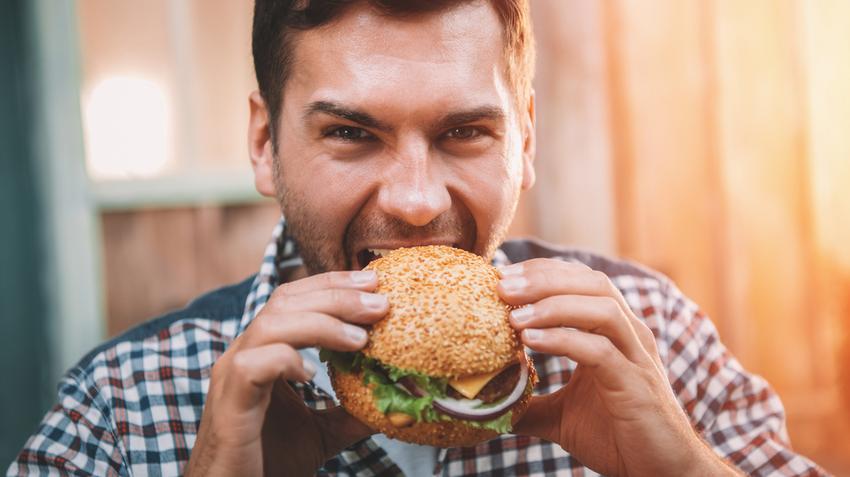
(388,124)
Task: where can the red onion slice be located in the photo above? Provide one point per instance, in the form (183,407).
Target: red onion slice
(406,383)
(468,408)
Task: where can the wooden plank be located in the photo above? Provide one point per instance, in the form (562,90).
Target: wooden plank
(761,131)
(149,264)
(222,50)
(156,260)
(667,181)
(231,241)
(826,59)
(573,200)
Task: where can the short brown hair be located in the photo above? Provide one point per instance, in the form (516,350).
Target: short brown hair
(275,21)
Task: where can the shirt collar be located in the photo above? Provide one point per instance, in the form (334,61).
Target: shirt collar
(281,255)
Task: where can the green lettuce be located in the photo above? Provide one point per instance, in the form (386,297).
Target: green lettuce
(389,398)
(501,424)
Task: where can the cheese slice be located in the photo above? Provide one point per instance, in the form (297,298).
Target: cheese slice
(470,386)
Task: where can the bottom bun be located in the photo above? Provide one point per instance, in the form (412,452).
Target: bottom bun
(357,399)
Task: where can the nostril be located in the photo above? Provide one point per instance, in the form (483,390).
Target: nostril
(416,202)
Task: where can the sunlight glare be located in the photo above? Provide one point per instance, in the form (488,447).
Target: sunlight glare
(127,126)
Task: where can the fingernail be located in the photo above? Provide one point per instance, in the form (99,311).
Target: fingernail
(309,369)
(515,269)
(521,315)
(364,276)
(355,334)
(514,284)
(532,335)
(373,301)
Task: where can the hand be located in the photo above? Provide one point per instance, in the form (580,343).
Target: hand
(617,415)
(254,423)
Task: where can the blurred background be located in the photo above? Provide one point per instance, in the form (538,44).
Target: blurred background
(709,139)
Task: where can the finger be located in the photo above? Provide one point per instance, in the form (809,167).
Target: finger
(251,372)
(531,281)
(541,263)
(303,329)
(366,280)
(541,419)
(346,304)
(596,314)
(587,349)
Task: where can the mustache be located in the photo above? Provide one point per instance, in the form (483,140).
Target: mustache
(376,227)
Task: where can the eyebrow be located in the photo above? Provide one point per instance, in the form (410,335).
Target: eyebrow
(342,112)
(481,113)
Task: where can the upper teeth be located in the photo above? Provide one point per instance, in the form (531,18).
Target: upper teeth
(380,251)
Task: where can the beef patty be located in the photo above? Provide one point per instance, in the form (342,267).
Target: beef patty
(496,388)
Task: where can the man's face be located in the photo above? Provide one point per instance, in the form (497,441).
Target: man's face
(396,132)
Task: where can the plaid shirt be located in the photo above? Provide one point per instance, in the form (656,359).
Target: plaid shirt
(133,406)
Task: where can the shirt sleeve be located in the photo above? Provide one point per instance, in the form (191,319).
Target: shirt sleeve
(74,438)
(737,413)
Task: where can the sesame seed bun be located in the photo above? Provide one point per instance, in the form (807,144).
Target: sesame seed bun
(446,319)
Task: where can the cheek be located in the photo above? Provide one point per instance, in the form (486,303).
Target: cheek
(490,189)
(331,191)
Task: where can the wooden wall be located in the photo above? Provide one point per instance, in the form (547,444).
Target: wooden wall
(710,139)
(157,260)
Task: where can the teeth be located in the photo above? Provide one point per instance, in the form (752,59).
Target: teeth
(380,251)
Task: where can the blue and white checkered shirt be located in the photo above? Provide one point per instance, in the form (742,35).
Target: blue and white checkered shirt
(133,406)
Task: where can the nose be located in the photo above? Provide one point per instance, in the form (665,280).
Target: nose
(413,190)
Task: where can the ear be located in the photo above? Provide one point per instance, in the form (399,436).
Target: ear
(260,145)
(529,144)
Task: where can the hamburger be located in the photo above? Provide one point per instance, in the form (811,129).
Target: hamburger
(444,368)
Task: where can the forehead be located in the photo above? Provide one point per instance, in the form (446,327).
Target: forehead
(449,56)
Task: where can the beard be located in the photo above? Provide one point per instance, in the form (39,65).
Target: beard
(321,251)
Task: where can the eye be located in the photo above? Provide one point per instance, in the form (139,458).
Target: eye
(464,133)
(349,133)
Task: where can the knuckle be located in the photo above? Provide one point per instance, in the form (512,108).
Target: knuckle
(546,280)
(241,364)
(281,291)
(610,307)
(574,264)
(580,265)
(605,350)
(543,309)
(260,326)
(646,336)
(327,280)
(534,263)
(290,361)
(643,331)
(601,283)
(336,296)
(279,303)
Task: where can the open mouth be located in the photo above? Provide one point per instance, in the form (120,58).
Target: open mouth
(367,255)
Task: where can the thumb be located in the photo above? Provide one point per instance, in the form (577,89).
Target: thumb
(542,419)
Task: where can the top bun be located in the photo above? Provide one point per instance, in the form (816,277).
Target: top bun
(446,319)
